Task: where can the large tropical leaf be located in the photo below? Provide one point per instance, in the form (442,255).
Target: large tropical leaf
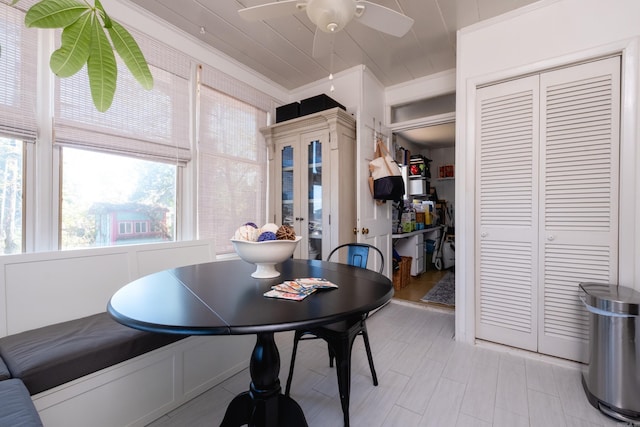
(131,54)
(54,13)
(85,41)
(102,68)
(74,51)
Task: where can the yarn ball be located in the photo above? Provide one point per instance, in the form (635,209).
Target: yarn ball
(286,232)
(266,236)
(251,224)
(247,233)
(270,227)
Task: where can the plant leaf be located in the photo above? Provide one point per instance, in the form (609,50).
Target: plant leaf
(102,68)
(107,21)
(131,54)
(54,13)
(74,51)
(14,2)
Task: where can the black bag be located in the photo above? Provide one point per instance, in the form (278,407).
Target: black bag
(388,188)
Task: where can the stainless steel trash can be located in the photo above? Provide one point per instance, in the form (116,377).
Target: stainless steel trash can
(612,378)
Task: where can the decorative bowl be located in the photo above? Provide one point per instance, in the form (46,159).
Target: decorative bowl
(265,255)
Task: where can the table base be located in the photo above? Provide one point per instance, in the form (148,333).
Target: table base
(264,405)
(282,411)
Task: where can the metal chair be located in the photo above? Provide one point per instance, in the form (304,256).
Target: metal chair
(341,335)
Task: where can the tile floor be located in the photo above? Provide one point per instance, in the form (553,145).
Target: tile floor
(426,379)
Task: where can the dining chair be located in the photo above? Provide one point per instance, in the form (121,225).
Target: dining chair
(341,335)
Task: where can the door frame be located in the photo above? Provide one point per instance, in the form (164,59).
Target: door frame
(629,199)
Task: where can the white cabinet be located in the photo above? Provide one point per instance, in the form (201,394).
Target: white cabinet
(312,175)
(412,246)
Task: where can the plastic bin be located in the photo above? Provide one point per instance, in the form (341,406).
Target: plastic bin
(612,378)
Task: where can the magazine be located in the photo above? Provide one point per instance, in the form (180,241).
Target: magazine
(298,289)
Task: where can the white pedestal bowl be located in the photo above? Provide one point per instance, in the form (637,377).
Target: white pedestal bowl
(265,255)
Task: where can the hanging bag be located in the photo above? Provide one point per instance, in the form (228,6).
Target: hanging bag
(385,180)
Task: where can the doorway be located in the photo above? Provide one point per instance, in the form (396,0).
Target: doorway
(434,139)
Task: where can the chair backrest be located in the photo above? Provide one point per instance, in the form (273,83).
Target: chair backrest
(358,254)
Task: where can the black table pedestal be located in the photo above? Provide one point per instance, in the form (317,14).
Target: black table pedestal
(264,405)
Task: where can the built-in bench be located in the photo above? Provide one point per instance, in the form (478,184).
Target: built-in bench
(66,357)
(47,357)
(40,359)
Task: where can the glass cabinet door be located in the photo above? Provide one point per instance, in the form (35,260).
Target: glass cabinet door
(287,186)
(314,191)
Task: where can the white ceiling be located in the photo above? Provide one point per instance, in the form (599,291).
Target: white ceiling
(281,48)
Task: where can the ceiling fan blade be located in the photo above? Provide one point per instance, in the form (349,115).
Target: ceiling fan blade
(271,10)
(383,19)
(322,44)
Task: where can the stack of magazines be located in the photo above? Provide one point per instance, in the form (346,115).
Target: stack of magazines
(298,289)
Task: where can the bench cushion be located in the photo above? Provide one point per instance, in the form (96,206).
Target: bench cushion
(4,371)
(52,355)
(16,407)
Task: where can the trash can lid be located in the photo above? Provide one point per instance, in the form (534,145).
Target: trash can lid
(611,298)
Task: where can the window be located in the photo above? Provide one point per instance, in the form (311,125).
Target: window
(118,172)
(120,167)
(11,195)
(110,199)
(232,160)
(17,121)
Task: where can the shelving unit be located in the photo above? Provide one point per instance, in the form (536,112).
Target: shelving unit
(419,176)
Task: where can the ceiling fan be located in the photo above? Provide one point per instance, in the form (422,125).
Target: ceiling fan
(331,16)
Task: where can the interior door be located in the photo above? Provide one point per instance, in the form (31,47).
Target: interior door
(373,221)
(506,213)
(580,114)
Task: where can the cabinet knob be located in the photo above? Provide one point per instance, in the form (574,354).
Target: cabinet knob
(365,230)
(551,238)
(484,234)
(299,218)
(355,230)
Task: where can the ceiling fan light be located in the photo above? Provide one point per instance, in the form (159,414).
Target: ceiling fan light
(330,16)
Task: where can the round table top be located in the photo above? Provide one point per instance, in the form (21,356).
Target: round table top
(221,298)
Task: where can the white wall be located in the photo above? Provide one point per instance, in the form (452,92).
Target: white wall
(546,34)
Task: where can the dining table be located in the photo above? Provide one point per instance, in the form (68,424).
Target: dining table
(221,298)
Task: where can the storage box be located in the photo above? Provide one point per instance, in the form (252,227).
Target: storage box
(402,275)
(287,112)
(318,103)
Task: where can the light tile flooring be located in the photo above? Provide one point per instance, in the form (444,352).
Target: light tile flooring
(426,379)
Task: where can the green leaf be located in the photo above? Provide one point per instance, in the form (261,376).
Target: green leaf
(102,69)
(131,54)
(54,13)
(14,2)
(74,51)
(107,21)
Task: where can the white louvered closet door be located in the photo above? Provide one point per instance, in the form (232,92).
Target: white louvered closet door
(547,204)
(579,152)
(506,213)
